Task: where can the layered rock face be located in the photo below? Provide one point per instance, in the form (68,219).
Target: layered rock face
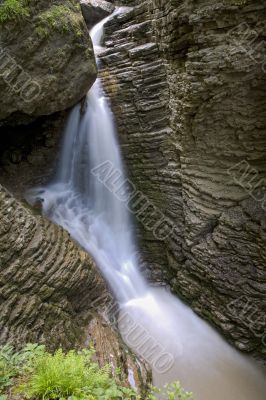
(46,58)
(47,282)
(187,83)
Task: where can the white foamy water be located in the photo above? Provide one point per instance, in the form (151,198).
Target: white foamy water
(165,332)
(181,346)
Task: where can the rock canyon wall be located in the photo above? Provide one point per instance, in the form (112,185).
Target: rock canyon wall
(186,80)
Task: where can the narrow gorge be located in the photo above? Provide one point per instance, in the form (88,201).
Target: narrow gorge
(163,198)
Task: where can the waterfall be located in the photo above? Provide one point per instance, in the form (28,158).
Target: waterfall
(86,198)
(83,204)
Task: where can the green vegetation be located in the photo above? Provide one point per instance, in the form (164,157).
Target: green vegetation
(13,364)
(75,375)
(59,18)
(173,391)
(34,373)
(13,10)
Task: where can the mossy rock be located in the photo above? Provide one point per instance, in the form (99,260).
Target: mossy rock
(52,65)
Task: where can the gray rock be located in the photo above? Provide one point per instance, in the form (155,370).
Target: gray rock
(95,10)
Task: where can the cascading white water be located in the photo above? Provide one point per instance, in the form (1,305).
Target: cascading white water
(177,343)
(83,205)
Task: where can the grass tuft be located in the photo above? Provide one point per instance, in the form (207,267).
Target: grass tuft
(59,18)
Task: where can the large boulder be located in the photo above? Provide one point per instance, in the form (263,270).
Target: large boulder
(95,10)
(47,62)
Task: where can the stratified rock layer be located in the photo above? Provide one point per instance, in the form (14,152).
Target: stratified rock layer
(187,84)
(47,282)
(47,62)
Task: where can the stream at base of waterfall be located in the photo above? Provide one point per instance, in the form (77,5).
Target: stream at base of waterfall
(155,324)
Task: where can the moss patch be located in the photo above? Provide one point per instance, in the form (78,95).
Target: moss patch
(14,10)
(60,18)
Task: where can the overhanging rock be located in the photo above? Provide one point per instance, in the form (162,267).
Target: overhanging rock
(95,10)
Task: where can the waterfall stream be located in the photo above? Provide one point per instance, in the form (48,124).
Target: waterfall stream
(86,198)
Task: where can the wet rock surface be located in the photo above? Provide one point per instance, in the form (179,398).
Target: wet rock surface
(186,81)
(110,349)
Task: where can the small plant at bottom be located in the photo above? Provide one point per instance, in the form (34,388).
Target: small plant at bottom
(172,391)
(14,363)
(71,376)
